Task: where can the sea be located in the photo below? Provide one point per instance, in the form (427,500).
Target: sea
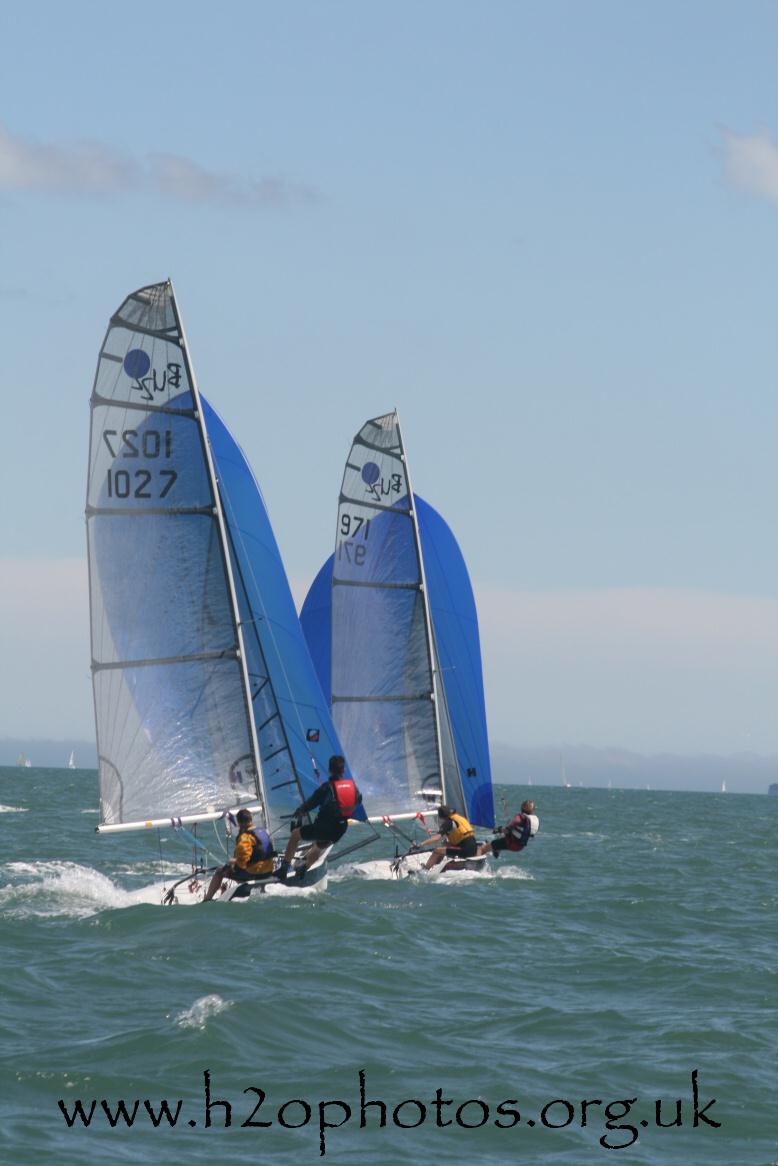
(607,996)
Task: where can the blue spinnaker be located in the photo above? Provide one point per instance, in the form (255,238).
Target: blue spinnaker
(455,626)
(294,728)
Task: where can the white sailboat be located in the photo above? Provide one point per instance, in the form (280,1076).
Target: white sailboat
(72,760)
(205,697)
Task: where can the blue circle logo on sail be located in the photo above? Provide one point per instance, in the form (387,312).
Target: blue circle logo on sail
(137,363)
(370,473)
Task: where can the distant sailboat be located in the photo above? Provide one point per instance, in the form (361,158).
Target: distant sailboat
(72,759)
(723,787)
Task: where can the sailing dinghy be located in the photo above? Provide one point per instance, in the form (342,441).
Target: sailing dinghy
(392,627)
(206,699)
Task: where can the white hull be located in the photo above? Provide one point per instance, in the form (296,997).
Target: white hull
(191,891)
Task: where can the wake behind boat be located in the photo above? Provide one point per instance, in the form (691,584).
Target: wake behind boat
(393,631)
(206,700)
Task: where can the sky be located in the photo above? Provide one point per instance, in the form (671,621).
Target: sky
(546,232)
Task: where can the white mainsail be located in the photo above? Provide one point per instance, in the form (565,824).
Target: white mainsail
(388,704)
(175,733)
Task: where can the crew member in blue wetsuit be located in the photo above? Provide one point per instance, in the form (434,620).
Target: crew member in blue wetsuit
(253,855)
(336,802)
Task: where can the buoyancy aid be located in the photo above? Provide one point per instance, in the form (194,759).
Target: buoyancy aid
(521,829)
(260,858)
(462,830)
(345,792)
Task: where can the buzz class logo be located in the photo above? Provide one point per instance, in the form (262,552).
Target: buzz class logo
(137,365)
(377,485)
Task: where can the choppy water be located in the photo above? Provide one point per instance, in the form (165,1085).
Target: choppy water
(634,943)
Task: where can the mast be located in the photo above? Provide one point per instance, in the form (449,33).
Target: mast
(431,653)
(219,513)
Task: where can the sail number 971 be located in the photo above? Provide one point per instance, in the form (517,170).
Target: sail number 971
(133,443)
(352,527)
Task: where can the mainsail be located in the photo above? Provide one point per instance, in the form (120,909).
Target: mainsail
(391,625)
(181,666)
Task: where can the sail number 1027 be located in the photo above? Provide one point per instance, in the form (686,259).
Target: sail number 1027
(134,443)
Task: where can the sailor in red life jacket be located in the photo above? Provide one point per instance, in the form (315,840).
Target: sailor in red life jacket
(253,855)
(518,832)
(336,802)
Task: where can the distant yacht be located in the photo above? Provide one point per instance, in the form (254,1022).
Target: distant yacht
(72,759)
(723,787)
(23,762)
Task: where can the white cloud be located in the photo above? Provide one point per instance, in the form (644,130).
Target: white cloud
(93,168)
(751,163)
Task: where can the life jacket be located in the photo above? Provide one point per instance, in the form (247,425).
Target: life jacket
(521,829)
(462,830)
(262,850)
(345,793)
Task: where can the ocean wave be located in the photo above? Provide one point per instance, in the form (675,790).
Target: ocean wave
(199,1013)
(13,809)
(66,889)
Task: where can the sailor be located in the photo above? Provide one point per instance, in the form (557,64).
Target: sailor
(459,836)
(253,855)
(336,802)
(516,834)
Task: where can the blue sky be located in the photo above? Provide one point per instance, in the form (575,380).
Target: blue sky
(547,233)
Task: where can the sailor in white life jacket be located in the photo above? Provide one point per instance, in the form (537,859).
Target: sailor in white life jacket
(516,834)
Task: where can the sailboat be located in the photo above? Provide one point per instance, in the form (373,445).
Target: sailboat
(205,696)
(392,627)
(72,759)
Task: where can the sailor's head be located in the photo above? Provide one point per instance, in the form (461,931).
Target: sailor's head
(444,811)
(244,817)
(528,807)
(337,766)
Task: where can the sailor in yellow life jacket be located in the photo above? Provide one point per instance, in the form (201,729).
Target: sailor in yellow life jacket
(253,855)
(458,834)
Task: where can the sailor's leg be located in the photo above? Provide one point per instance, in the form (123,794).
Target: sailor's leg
(438,854)
(215,882)
(313,853)
(291,846)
